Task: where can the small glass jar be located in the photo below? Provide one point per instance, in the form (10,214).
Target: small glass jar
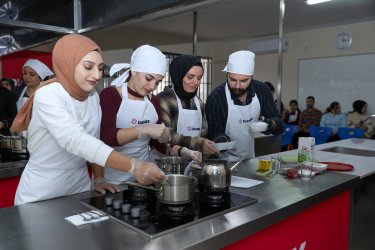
(292,173)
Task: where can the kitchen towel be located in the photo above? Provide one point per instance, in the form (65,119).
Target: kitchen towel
(92,216)
(241,182)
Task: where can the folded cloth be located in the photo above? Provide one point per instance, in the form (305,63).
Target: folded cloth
(241,182)
(91,217)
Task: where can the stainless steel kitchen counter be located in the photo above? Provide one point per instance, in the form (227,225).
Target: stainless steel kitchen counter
(41,225)
(11,169)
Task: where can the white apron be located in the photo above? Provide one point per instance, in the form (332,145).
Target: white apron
(21,100)
(238,129)
(52,171)
(189,121)
(130,114)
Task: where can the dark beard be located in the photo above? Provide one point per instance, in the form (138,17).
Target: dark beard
(238,92)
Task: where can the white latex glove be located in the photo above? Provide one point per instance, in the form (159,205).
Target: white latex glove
(101,186)
(146,173)
(155,131)
(190,154)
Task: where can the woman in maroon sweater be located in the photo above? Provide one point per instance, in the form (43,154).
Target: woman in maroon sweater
(131,116)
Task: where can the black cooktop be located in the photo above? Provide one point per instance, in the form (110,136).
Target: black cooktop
(153,218)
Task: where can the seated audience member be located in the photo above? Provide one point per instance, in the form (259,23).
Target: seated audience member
(334,119)
(292,115)
(357,118)
(310,116)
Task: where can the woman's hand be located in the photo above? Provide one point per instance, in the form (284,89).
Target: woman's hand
(190,154)
(146,173)
(101,186)
(155,131)
(208,147)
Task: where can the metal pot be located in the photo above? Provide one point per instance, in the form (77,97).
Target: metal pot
(5,148)
(14,148)
(177,189)
(215,175)
(18,145)
(172,164)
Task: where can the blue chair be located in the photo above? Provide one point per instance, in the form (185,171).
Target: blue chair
(286,137)
(321,134)
(345,133)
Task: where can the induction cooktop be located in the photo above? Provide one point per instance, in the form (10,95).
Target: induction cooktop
(152,218)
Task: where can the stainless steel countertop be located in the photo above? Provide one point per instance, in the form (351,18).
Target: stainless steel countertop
(11,169)
(363,165)
(41,225)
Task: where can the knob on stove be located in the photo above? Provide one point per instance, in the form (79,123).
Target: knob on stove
(135,212)
(125,208)
(109,201)
(117,204)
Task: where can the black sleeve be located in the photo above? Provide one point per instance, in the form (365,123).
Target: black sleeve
(216,113)
(268,106)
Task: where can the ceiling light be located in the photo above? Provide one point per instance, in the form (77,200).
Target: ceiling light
(311,2)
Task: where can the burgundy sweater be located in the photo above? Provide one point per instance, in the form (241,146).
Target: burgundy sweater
(110,101)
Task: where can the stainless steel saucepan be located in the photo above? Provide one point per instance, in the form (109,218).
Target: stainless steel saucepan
(177,189)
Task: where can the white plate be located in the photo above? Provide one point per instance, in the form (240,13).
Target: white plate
(225,145)
(258,126)
(319,167)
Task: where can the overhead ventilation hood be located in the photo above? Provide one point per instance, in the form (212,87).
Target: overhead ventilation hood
(28,23)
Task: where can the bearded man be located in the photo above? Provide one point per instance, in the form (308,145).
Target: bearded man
(237,103)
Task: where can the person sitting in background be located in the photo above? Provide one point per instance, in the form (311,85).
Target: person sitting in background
(132,115)
(64,128)
(310,116)
(334,119)
(272,89)
(357,118)
(292,116)
(182,109)
(7,83)
(33,73)
(8,110)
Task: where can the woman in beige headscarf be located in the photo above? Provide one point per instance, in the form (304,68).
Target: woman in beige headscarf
(64,128)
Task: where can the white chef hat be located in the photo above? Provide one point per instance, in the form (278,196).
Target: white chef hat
(40,68)
(241,62)
(146,59)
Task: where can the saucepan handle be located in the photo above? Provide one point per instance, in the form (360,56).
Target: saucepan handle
(136,184)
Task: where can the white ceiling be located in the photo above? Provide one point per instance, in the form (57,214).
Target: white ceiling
(225,20)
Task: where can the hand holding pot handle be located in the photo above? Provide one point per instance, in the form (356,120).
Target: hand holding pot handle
(146,173)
